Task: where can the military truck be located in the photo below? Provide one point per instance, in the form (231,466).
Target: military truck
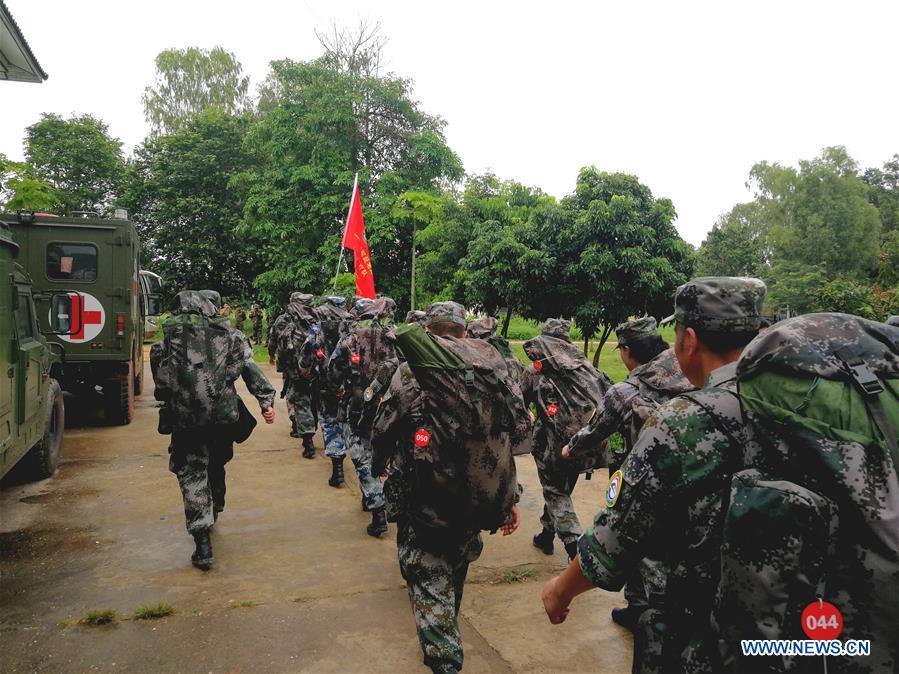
(31,406)
(97,259)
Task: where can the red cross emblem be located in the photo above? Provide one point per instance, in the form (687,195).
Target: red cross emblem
(87,316)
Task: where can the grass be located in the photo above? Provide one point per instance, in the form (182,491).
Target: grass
(510,577)
(105,616)
(153,611)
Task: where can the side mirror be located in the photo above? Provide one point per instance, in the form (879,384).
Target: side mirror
(62,320)
(154,305)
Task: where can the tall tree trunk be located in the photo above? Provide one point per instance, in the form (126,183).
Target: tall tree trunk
(506,321)
(606,331)
(586,346)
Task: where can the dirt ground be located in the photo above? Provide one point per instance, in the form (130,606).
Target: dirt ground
(297,584)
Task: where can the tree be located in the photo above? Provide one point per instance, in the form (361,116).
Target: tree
(78,159)
(884,192)
(845,296)
(820,215)
(324,121)
(186,209)
(190,81)
(736,246)
(20,190)
(620,255)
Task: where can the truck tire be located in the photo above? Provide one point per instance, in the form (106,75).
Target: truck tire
(43,459)
(119,394)
(139,384)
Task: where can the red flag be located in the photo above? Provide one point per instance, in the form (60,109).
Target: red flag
(354,239)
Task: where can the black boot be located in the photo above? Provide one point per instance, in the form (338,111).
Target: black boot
(378,524)
(628,616)
(571,549)
(294,433)
(202,557)
(308,447)
(336,473)
(544,541)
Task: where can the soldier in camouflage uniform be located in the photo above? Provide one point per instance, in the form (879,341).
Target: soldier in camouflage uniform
(240,318)
(416,316)
(256,320)
(288,335)
(434,562)
(354,367)
(201,417)
(485,328)
(565,388)
(666,500)
(654,378)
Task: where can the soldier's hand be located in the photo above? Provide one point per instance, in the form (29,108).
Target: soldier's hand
(511,527)
(566,452)
(269,415)
(533,418)
(556,607)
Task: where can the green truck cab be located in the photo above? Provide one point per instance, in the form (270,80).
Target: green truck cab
(31,405)
(98,261)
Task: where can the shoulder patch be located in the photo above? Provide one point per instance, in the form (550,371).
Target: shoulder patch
(368,394)
(613,491)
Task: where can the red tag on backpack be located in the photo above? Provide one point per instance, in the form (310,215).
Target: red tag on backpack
(538,365)
(552,409)
(320,353)
(355,358)
(422,438)
(822,621)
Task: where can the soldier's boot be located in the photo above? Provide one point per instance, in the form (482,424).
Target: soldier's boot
(544,541)
(202,557)
(571,549)
(336,478)
(308,447)
(628,616)
(294,432)
(378,524)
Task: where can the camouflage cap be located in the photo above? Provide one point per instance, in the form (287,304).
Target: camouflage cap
(894,321)
(629,331)
(416,316)
(336,300)
(482,328)
(213,296)
(446,312)
(194,302)
(720,303)
(557,327)
(360,304)
(305,299)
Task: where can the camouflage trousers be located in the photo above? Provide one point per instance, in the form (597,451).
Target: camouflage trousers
(197,457)
(558,481)
(435,581)
(302,404)
(257,332)
(645,583)
(360,454)
(335,447)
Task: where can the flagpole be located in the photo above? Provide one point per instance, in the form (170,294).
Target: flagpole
(345,225)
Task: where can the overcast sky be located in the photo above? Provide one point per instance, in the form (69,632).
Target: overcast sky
(686,95)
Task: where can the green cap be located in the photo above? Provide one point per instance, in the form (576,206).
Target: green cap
(628,331)
(720,303)
(445,312)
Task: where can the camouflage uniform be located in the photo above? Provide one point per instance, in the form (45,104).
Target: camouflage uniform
(415,316)
(666,502)
(256,319)
(300,393)
(354,367)
(433,559)
(198,452)
(565,388)
(334,321)
(240,318)
(485,328)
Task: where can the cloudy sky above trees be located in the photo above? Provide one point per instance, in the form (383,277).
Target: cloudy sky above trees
(687,96)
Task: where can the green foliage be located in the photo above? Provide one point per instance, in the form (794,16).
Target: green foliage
(888,270)
(192,81)
(153,611)
(180,196)
(105,616)
(884,192)
(736,246)
(845,296)
(77,158)
(21,190)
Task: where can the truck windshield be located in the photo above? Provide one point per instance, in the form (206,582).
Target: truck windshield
(72,262)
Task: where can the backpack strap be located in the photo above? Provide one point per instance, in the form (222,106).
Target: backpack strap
(870,388)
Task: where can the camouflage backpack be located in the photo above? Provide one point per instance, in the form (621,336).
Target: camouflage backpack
(657,382)
(194,364)
(290,330)
(815,516)
(466,420)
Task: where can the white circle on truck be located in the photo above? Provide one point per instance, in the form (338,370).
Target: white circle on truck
(87,319)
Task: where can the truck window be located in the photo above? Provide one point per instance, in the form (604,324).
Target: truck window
(25,319)
(72,262)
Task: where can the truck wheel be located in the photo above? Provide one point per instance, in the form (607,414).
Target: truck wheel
(43,459)
(119,394)
(139,384)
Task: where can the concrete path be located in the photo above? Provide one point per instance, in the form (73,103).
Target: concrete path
(297,584)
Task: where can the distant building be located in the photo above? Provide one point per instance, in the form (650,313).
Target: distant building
(17,63)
